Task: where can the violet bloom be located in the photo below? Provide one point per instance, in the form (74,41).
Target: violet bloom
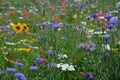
(41,25)
(89,75)
(111,26)
(118,31)
(39,60)
(113,20)
(107,17)
(68,25)
(94,15)
(106,37)
(54,65)
(19,64)
(12,33)
(88,46)
(20,76)
(106,56)
(10,70)
(56,26)
(51,52)
(33,68)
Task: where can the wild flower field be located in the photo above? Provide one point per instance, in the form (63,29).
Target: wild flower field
(59,40)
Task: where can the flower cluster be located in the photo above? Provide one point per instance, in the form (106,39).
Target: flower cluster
(18,28)
(88,46)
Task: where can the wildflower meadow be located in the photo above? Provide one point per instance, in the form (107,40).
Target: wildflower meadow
(59,39)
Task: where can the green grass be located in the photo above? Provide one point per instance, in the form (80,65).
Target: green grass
(102,69)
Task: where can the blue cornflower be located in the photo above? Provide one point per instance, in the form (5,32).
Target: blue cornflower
(33,68)
(10,70)
(54,65)
(41,25)
(106,37)
(20,76)
(111,26)
(19,64)
(69,25)
(51,52)
(12,33)
(108,17)
(88,46)
(56,26)
(106,56)
(118,31)
(89,75)
(94,15)
(39,60)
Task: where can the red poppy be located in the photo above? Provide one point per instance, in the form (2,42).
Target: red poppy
(51,7)
(42,51)
(63,3)
(104,23)
(21,61)
(11,12)
(100,15)
(45,59)
(41,65)
(56,19)
(25,14)
(82,73)
(7,55)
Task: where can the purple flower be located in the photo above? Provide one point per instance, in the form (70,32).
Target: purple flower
(94,15)
(106,55)
(51,52)
(111,26)
(52,65)
(88,46)
(13,33)
(19,64)
(113,20)
(33,68)
(68,25)
(107,17)
(10,70)
(20,76)
(89,75)
(56,26)
(42,24)
(39,60)
(106,36)
(118,31)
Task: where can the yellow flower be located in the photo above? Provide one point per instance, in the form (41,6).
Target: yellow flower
(114,49)
(89,11)
(18,28)
(1,37)
(5,47)
(51,48)
(74,16)
(43,19)
(100,35)
(59,29)
(87,29)
(8,60)
(0,30)
(26,28)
